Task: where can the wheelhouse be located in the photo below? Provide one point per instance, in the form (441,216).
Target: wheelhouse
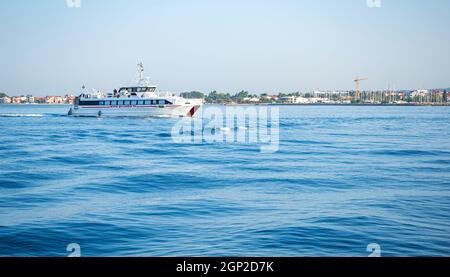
(137,89)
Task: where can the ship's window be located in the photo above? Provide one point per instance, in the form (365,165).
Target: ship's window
(140,102)
(107,103)
(147,102)
(126,102)
(133,89)
(113,103)
(133,102)
(89,103)
(162,102)
(102,103)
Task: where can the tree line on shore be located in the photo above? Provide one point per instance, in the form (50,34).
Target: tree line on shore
(219,97)
(216,97)
(383,97)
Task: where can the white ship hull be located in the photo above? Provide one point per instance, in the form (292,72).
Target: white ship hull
(146,111)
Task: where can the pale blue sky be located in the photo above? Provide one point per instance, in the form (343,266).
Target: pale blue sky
(226,45)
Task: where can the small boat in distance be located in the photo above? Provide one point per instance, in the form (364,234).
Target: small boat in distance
(134,101)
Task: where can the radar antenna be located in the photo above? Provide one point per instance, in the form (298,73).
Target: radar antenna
(140,78)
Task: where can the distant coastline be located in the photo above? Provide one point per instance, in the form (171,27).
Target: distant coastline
(34,104)
(279,104)
(369,104)
(349,105)
(435,97)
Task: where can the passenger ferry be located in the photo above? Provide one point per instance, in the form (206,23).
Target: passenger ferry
(140,101)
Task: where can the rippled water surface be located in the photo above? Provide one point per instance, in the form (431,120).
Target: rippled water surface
(344,177)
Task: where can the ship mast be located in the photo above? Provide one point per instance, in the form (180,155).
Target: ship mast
(141,72)
(141,79)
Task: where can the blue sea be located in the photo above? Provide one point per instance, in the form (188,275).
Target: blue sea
(343,177)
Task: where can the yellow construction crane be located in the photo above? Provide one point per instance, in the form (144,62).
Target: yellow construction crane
(357,80)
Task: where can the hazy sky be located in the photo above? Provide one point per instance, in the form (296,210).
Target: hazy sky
(225,45)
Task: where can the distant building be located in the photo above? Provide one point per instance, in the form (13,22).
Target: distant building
(316,100)
(420,93)
(54,100)
(59,100)
(252,99)
(18,100)
(39,100)
(69,99)
(5,100)
(303,100)
(300,100)
(30,99)
(49,100)
(270,97)
(288,99)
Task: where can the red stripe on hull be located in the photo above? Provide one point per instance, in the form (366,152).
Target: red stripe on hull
(193,111)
